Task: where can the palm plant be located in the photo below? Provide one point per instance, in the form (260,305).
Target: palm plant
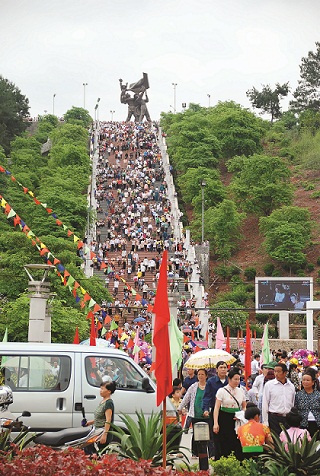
(9,441)
(301,458)
(143,439)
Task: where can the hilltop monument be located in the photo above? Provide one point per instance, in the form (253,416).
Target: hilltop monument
(136,97)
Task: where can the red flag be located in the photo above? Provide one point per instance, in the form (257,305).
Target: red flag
(228,340)
(163,372)
(247,361)
(93,332)
(130,343)
(76,339)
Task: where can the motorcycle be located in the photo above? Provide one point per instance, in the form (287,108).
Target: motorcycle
(69,438)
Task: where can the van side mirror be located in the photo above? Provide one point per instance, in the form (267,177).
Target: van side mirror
(25,413)
(146,385)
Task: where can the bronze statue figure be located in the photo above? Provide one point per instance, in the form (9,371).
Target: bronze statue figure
(137,103)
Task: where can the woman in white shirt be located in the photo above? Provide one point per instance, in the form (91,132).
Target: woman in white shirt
(229,400)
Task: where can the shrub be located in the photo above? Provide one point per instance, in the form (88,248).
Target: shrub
(310,267)
(268,269)
(230,466)
(315,194)
(308,186)
(276,273)
(250,273)
(143,439)
(249,288)
(318,261)
(300,273)
(42,460)
(300,458)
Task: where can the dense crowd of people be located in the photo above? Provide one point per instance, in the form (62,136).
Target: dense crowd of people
(244,413)
(133,228)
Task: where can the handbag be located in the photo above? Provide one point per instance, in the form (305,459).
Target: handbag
(224,388)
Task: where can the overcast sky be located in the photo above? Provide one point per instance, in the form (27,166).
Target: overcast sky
(219,48)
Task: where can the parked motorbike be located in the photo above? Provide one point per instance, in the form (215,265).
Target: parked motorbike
(58,440)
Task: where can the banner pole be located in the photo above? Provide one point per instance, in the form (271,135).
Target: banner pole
(164,434)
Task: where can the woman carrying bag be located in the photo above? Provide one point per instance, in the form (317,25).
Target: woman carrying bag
(229,400)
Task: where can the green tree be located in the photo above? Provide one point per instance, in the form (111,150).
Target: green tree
(268,100)
(261,183)
(69,133)
(285,244)
(64,320)
(309,121)
(231,314)
(190,184)
(78,116)
(222,225)
(68,154)
(292,216)
(287,233)
(307,94)
(14,108)
(238,130)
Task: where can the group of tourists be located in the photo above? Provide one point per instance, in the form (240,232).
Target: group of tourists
(243,419)
(133,228)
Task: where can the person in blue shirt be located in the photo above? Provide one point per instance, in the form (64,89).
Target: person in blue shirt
(209,399)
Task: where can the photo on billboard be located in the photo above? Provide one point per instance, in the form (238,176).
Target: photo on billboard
(283,294)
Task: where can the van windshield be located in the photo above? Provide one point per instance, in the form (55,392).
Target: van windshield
(35,372)
(119,370)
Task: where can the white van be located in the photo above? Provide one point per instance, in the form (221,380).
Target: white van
(54,382)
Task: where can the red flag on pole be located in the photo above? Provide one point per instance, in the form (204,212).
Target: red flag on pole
(163,371)
(76,339)
(228,340)
(93,332)
(247,361)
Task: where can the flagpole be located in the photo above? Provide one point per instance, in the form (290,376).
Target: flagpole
(164,434)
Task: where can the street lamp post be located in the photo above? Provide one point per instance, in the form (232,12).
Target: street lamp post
(203,184)
(112,112)
(174,97)
(96,111)
(209,97)
(84,94)
(53,103)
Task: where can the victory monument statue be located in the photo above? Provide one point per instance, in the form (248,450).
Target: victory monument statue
(137,103)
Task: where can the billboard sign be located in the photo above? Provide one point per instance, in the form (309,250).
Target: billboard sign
(283,294)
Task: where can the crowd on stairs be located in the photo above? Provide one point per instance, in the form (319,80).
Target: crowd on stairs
(133,228)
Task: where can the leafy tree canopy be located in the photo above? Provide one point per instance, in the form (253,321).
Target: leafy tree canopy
(69,133)
(14,108)
(238,130)
(79,116)
(307,94)
(230,314)
(222,226)
(285,244)
(287,233)
(289,215)
(190,183)
(268,100)
(261,183)
(64,321)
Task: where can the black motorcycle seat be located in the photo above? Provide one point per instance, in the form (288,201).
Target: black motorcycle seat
(59,438)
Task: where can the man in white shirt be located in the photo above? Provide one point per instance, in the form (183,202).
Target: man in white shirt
(278,399)
(255,367)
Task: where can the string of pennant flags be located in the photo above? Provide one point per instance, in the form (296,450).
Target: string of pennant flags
(81,296)
(49,210)
(51,213)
